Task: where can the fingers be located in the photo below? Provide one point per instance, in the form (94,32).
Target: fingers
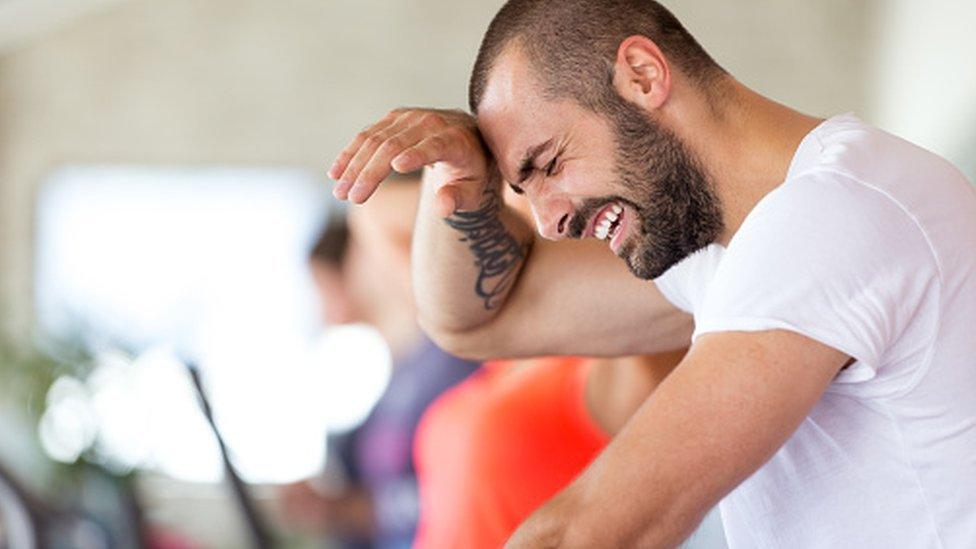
(444,146)
(445,200)
(406,140)
(379,165)
(452,198)
(469,197)
(354,157)
(344,157)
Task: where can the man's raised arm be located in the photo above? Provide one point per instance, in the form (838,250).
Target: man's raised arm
(478,293)
(468,247)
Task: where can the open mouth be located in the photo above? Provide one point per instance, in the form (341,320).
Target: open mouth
(608,222)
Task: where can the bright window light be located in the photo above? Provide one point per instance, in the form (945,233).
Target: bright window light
(207,264)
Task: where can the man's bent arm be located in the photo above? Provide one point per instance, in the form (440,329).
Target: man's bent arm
(724,411)
(478,292)
(482,296)
(465,265)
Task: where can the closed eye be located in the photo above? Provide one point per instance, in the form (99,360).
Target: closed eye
(549,169)
(551,166)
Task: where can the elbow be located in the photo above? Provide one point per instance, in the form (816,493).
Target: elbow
(467,343)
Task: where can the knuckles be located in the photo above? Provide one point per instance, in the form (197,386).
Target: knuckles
(374,141)
(440,130)
(392,144)
(437,141)
(432,120)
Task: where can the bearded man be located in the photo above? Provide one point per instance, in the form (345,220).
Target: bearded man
(823,270)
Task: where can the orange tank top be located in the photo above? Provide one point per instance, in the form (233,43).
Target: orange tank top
(497,446)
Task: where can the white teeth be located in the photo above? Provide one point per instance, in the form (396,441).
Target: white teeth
(602,228)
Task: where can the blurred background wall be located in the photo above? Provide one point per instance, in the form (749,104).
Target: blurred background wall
(284,83)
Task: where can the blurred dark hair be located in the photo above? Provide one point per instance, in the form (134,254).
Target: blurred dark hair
(332,243)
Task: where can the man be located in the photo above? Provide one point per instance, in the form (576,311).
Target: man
(826,399)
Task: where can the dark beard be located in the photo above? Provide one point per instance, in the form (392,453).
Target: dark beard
(677,209)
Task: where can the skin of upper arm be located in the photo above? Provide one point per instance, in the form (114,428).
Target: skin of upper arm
(576,298)
(723,412)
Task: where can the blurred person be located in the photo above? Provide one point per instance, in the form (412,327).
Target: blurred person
(494,448)
(361,271)
(821,269)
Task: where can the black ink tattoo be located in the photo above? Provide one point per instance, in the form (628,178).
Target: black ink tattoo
(497,253)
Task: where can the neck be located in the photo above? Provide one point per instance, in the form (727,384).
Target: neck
(745,142)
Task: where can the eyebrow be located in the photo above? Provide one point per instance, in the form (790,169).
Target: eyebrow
(528,161)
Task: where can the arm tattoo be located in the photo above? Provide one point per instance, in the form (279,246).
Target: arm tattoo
(497,253)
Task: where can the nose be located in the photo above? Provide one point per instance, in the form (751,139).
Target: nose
(552,218)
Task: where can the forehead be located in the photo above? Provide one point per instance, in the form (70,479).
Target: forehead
(514,114)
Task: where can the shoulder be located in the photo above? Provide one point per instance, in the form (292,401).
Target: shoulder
(824,233)
(830,257)
(831,210)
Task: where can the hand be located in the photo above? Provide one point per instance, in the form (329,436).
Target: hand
(409,139)
(546,526)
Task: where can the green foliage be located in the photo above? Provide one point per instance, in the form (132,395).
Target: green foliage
(27,371)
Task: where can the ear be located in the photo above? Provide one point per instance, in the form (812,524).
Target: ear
(641,73)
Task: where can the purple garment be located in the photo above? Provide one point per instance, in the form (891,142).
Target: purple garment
(383,446)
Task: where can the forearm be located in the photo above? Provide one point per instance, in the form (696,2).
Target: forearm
(598,510)
(465,265)
(721,414)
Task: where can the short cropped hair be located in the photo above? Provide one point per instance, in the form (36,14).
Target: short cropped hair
(572,45)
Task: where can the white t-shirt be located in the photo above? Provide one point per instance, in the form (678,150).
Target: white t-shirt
(869,246)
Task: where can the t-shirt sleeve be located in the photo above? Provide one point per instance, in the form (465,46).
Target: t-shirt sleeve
(830,258)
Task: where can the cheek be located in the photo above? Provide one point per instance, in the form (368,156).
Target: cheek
(591,177)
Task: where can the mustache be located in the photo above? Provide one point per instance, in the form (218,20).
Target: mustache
(589,208)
